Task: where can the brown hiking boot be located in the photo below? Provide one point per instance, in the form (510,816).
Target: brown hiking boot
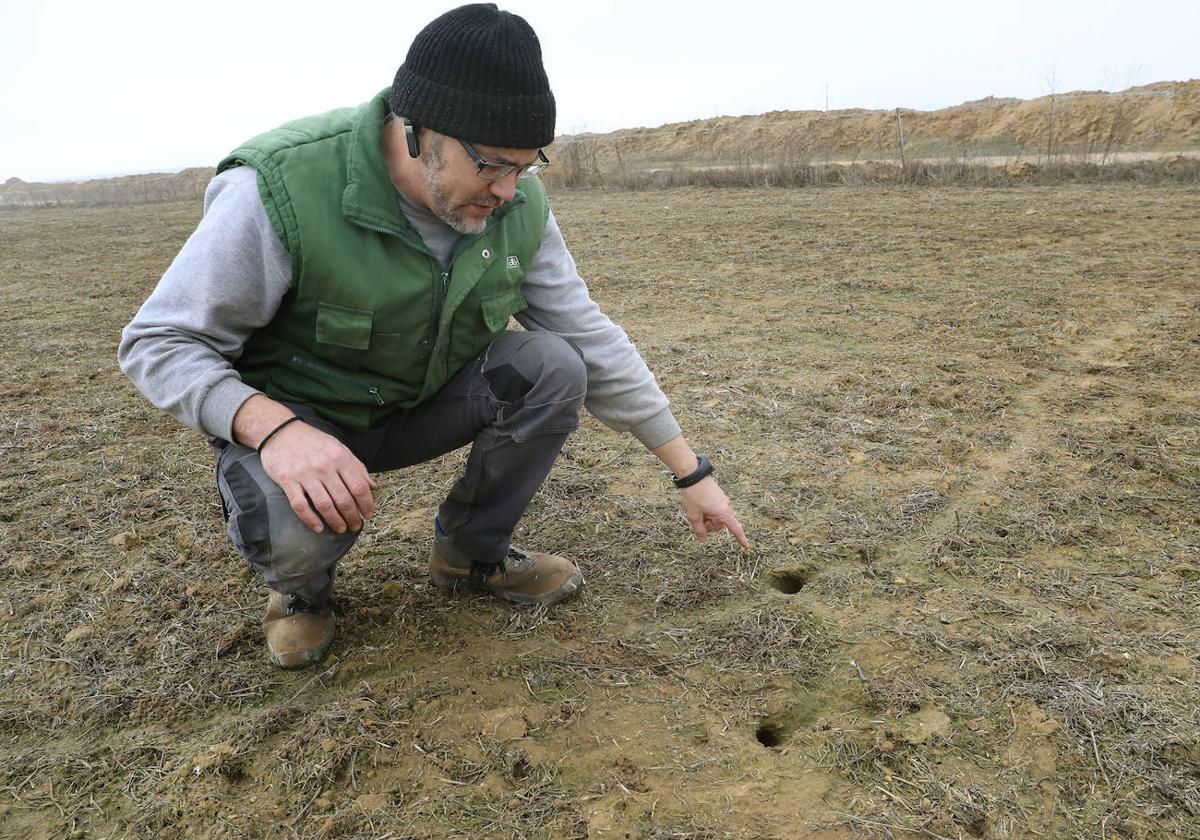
(297,634)
(524,577)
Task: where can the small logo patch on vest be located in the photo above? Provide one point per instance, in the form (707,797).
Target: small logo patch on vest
(513,262)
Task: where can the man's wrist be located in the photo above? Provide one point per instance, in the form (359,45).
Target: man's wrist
(295,418)
(257,417)
(704,469)
(677,456)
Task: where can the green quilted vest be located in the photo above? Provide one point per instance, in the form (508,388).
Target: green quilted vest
(372,324)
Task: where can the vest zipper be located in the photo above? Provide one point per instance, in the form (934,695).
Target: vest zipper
(373,390)
(440,292)
(440,299)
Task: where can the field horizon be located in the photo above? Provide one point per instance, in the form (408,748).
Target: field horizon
(1098,128)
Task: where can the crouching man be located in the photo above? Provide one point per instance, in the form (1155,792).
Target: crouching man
(341,309)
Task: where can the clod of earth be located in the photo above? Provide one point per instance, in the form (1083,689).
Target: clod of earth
(929,722)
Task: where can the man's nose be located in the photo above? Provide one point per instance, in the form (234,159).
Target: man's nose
(505,188)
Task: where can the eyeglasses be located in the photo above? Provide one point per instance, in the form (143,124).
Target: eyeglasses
(495,171)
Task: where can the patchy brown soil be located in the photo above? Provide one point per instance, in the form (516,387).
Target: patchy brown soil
(961,427)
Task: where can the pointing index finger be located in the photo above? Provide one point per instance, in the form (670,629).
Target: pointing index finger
(735,528)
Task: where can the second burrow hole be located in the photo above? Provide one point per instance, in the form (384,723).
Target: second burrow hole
(789,581)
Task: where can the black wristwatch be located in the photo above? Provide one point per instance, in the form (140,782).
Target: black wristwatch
(702,471)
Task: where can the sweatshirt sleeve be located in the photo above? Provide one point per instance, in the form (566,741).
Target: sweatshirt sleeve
(621,392)
(226,282)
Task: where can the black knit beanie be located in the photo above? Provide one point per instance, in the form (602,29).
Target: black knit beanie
(476,73)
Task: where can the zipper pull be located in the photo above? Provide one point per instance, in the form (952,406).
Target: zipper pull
(374,392)
(445,280)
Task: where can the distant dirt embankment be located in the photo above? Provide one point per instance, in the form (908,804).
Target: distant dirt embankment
(1091,125)
(152,188)
(1083,126)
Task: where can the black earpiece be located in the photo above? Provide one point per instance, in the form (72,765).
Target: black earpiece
(410,134)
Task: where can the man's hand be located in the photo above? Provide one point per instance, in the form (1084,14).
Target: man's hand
(708,511)
(704,503)
(315,470)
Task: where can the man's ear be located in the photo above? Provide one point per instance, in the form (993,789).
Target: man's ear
(410,136)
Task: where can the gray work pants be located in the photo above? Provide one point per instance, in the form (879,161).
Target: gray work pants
(516,403)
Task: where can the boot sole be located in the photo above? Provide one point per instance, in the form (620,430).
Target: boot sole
(573,585)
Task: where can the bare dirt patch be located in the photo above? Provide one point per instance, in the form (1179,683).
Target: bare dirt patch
(961,428)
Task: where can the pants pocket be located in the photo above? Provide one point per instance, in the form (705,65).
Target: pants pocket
(244,503)
(266,531)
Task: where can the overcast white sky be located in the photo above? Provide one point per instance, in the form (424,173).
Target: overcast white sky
(96,88)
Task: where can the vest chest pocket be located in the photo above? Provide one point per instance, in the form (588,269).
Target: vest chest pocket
(343,334)
(498,307)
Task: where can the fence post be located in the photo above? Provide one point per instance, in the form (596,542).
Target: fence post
(900,140)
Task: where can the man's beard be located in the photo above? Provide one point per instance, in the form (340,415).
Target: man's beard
(439,202)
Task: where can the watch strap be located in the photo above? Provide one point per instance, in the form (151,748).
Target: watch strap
(702,471)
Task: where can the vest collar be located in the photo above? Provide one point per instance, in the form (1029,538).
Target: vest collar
(370,196)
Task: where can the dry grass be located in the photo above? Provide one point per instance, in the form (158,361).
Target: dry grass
(960,426)
(580,170)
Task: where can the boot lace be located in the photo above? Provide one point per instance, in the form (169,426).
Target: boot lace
(482,571)
(296,604)
(516,561)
